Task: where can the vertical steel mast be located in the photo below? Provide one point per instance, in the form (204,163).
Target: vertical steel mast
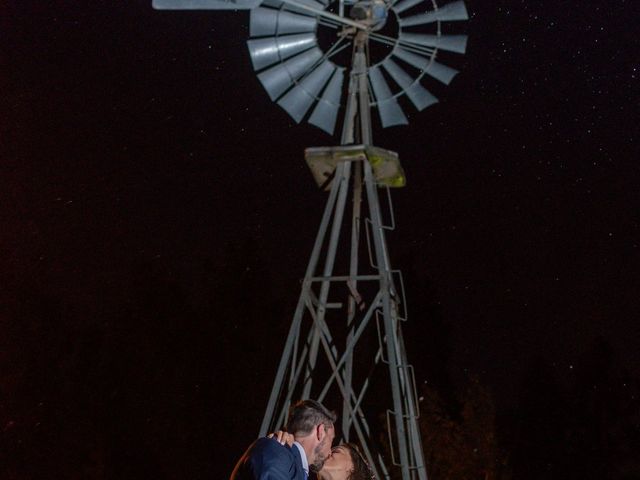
(372,300)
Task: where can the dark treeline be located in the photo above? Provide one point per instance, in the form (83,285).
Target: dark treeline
(151,373)
(586,430)
(583,426)
(158,370)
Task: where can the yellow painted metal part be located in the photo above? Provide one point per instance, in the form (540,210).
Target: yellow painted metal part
(387,170)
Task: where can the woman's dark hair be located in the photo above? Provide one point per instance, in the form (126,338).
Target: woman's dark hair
(361,469)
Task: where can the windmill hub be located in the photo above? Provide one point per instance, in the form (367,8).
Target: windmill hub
(372,13)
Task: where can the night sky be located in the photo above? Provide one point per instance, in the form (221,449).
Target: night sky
(156,217)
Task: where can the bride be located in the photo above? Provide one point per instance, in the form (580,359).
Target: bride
(345,462)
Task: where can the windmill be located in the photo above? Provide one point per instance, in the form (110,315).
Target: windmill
(346,336)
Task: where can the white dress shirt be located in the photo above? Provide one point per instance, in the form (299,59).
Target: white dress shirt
(303,456)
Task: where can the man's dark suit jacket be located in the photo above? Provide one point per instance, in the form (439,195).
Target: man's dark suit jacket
(266,459)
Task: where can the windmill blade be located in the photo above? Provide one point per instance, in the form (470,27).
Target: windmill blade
(326,112)
(205,4)
(299,99)
(388,108)
(440,72)
(267,51)
(263,21)
(451,43)
(411,58)
(277,79)
(267,21)
(450,12)
(318,5)
(419,96)
(403,5)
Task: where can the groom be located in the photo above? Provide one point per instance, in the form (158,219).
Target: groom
(312,427)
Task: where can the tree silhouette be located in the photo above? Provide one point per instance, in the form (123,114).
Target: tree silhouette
(602,438)
(460,440)
(584,428)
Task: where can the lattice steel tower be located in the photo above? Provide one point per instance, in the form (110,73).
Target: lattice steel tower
(346,335)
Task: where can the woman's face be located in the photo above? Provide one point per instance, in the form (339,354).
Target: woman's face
(339,463)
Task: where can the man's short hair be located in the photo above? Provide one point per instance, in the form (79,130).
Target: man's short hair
(306,414)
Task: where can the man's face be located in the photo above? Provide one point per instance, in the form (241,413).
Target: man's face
(323,449)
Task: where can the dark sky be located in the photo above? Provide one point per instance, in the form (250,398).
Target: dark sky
(141,157)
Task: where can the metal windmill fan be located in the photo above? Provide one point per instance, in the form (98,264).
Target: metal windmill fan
(302,78)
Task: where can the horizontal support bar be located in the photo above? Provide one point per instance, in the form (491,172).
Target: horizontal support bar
(344,278)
